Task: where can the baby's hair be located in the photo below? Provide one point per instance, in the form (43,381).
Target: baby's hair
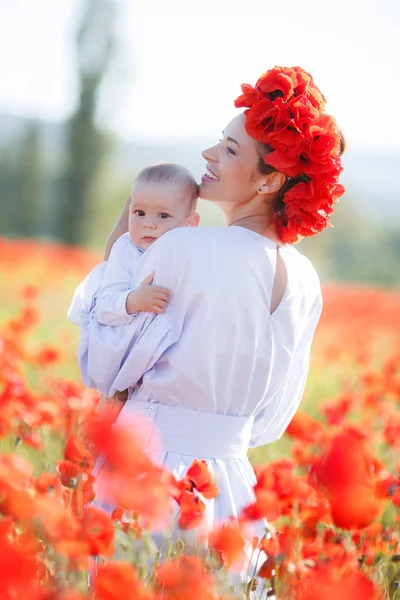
(171,173)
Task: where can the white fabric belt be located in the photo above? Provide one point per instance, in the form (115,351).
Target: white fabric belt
(190,432)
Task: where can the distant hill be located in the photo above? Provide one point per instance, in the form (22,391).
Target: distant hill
(372,179)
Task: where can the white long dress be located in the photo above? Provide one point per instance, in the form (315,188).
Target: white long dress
(217,372)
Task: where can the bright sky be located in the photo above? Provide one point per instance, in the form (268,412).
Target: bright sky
(181,62)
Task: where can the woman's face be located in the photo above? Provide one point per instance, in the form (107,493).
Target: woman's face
(231,172)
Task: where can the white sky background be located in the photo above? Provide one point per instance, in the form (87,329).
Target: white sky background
(181,62)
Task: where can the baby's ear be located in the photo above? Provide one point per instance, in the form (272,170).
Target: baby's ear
(193,220)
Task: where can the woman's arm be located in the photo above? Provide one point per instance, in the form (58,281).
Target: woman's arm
(120,227)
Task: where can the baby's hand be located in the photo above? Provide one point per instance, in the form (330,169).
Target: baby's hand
(148,298)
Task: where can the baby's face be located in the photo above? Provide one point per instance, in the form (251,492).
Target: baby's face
(155,209)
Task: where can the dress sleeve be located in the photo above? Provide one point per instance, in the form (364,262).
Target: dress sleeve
(113,359)
(116,284)
(85,295)
(271,422)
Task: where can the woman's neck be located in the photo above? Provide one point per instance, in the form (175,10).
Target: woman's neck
(259,223)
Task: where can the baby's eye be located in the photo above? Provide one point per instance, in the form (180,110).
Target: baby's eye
(164,215)
(139,213)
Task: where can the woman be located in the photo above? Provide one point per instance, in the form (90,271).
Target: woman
(225,367)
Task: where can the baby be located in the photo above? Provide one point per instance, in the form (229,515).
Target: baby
(163,197)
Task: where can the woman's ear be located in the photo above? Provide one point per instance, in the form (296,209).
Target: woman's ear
(193,220)
(272,183)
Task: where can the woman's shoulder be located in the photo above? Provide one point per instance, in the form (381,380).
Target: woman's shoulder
(184,238)
(302,261)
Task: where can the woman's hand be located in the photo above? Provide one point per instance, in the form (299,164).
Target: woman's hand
(120,227)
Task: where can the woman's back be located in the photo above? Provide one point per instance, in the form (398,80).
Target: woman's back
(227,353)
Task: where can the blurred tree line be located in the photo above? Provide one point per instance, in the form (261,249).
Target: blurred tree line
(41,196)
(74,195)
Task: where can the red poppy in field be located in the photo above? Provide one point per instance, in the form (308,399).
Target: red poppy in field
(305,428)
(117,580)
(329,582)
(191,510)
(65,595)
(98,531)
(77,452)
(184,578)
(18,571)
(129,521)
(56,524)
(336,412)
(30,292)
(133,481)
(79,481)
(229,542)
(16,498)
(198,477)
(266,506)
(46,483)
(347,461)
(355,506)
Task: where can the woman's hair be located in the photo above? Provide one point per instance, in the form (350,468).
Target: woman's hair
(264,169)
(285,115)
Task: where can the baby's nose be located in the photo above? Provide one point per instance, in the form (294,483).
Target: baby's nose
(150,225)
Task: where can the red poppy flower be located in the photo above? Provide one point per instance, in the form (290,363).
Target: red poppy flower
(326,582)
(184,578)
(263,117)
(98,531)
(18,571)
(249,96)
(228,540)
(129,522)
(116,580)
(355,506)
(347,461)
(266,506)
(192,509)
(134,482)
(305,428)
(200,477)
(278,81)
(77,453)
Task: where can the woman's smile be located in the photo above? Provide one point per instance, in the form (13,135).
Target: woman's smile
(209,176)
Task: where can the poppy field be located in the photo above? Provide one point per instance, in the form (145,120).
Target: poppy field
(330,488)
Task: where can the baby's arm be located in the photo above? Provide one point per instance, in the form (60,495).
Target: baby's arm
(117,303)
(148,298)
(116,284)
